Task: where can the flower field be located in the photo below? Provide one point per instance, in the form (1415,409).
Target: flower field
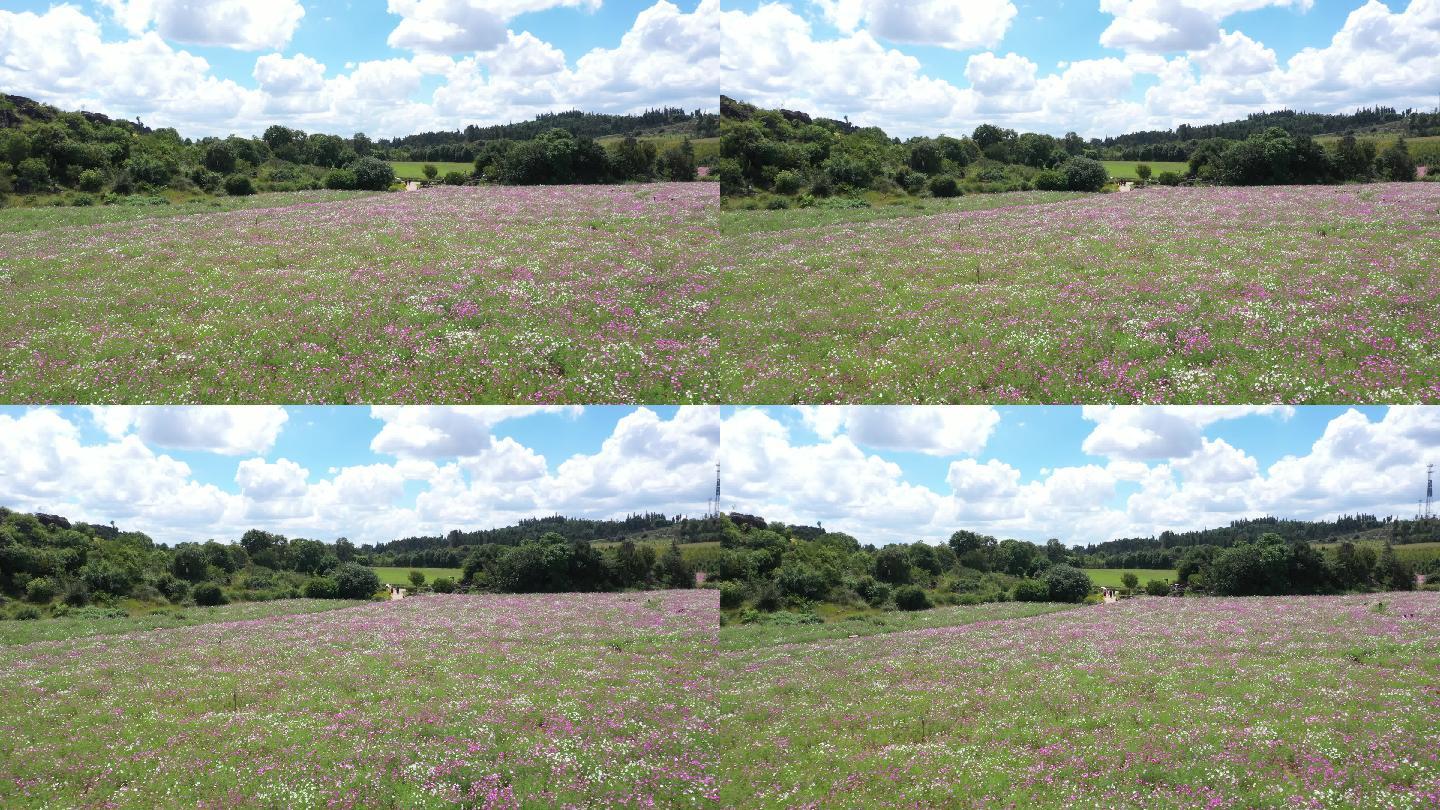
(590,294)
(481,702)
(1322,702)
(1221,295)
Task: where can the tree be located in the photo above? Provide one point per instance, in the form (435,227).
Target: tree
(1395,163)
(925,157)
(189,563)
(1391,573)
(32,175)
(430,171)
(1032,590)
(673,570)
(443,585)
(912,597)
(1143,172)
(151,170)
(892,565)
(14,146)
(342,179)
(454,178)
(372,174)
(1084,174)
(1066,584)
(677,163)
(1347,569)
(634,159)
(208,594)
(40,590)
(944,186)
(1130,580)
(1354,160)
(238,185)
(417,578)
(219,157)
(1157,587)
(321,588)
(355,581)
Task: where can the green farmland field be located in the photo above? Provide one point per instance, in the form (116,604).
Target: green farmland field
(1113,577)
(415,169)
(1125,169)
(401,575)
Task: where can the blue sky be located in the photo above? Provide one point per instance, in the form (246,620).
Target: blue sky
(885,474)
(1097,67)
(1080,474)
(369,474)
(342,66)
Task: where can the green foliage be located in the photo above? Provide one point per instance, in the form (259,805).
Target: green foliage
(443,585)
(788,181)
(1395,163)
(238,185)
(912,597)
(732,594)
(91,180)
(1130,580)
(1169,178)
(355,581)
(372,174)
(343,179)
(1084,174)
(1157,587)
(1031,590)
(208,594)
(322,588)
(944,186)
(417,578)
(430,171)
(1143,171)
(32,174)
(1066,583)
(455,178)
(41,590)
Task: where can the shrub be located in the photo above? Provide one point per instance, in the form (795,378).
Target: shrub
(417,578)
(788,182)
(1143,171)
(944,186)
(341,179)
(1130,580)
(732,594)
(91,180)
(1032,590)
(32,175)
(1084,174)
(777,204)
(106,577)
(321,588)
(802,580)
(355,581)
(1395,163)
(1157,587)
(26,613)
(372,174)
(767,597)
(209,594)
(443,585)
(1168,179)
(1051,180)
(238,185)
(911,597)
(41,590)
(82,200)
(76,595)
(455,178)
(430,171)
(172,587)
(1066,583)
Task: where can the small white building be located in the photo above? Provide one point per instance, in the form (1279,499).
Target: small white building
(397,592)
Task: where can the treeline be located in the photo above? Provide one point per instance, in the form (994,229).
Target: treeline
(464,146)
(1178,143)
(49,565)
(768,567)
(791,154)
(87,158)
(1166,549)
(451,550)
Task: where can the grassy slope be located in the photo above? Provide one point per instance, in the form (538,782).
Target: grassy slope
(400,575)
(20,220)
(1125,169)
(706,149)
(415,169)
(1413,553)
(750,636)
(1112,577)
(1262,702)
(737,222)
(18,632)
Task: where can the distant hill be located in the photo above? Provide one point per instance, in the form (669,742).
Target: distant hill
(463,145)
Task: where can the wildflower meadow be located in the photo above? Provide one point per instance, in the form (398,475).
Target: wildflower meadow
(483,702)
(1320,294)
(590,294)
(1314,702)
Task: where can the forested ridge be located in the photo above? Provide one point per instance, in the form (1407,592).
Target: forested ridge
(783,157)
(54,157)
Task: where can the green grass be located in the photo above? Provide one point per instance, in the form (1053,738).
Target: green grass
(734,636)
(54,629)
(706,149)
(401,575)
(1412,553)
(1112,577)
(1125,169)
(735,221)
(415,169)
(42,218)
(1156,703)
(691,552)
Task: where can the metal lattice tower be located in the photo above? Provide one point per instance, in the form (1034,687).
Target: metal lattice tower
(1429,513)
(716,512)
